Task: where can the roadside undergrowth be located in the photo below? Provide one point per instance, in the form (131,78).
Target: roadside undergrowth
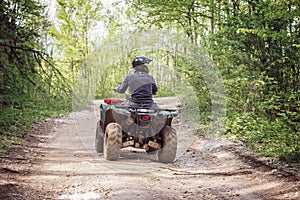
(18,116)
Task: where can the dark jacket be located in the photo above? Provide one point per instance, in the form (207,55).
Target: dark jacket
(141,85)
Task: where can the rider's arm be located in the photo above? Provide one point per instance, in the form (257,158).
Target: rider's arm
(154,87)
(123,86)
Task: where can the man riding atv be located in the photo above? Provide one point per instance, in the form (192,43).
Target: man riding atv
(137,122)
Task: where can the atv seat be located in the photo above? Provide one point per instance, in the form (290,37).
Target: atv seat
(142,105)
(128,104)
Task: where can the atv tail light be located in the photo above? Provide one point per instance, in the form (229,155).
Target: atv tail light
(145,117)
(112,101)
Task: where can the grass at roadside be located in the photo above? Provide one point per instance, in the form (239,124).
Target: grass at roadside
(16,117)
(269,138)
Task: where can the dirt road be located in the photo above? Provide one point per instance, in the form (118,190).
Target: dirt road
(57,160)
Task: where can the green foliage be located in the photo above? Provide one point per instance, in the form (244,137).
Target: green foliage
(271,138)
(189,16)
(31,86)
(111,76)
(165,91)
(194,76)
(76,19)
(6,142)
(22,112)
(258,57)
(256,46)
(20,27)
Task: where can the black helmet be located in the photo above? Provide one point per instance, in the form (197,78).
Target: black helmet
(139,60)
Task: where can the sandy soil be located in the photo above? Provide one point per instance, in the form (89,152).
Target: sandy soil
(57,160)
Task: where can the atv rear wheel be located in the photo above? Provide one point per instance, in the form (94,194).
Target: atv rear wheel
(112,141)
(99,139)
(169,147)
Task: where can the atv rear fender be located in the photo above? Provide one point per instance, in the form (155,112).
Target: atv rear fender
(109,113)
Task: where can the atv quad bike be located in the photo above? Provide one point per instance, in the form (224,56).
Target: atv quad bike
(139,126)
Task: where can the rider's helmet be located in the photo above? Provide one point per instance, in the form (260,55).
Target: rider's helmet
(139,60)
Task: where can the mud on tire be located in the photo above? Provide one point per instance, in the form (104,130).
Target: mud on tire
(168,151)
(99,139)
(112,141)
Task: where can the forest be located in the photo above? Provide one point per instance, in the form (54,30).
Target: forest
(239,58)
